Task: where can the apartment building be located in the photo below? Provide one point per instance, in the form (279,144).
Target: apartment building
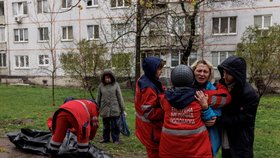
(34,33)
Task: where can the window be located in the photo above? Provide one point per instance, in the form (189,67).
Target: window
(19,8)
(92,3)
(2,34)
(43,34)
(42,6)
(224,25)
(179,25)
(93,31)
(22,61)
(44,60)
(176,58)
(66,4)
(219,56)
(120,3)
(2,11)
(3,59)
(262,21)
(21,35)
(67,33)
(118,31)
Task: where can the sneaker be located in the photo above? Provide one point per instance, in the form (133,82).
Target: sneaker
(117,142)
(104,141)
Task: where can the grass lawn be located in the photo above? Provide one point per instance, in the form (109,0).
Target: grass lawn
(31,106)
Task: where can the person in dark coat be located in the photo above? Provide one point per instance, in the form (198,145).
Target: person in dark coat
(238,119)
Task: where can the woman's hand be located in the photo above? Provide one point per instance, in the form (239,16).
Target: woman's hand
(211,122)
(202,99)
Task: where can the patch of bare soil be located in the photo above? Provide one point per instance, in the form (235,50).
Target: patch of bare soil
(8,150)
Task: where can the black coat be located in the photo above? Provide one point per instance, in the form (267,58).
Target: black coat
(238,118)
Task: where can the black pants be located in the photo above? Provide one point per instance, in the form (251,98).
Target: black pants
(110,126)
(226,153)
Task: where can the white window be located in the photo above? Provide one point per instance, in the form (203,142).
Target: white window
(2,34)
(179,25)
(43,34)
(19,8)
(2,10)
(219,56)
(21,35)
(66,4)
(42,6)
(118,31)
(44,60)
(262,21)
(92,3)
(22,61)
(177,56)
(120,3)
(224,25)
(67,33)
(93,31)
(3,59)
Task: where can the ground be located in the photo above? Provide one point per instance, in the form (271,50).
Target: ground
(8,150)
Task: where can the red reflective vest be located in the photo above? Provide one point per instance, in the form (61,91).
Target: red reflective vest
(184,134)
(86,114)
(149,117)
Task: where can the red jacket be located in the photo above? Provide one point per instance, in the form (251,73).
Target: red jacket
(219,97)
(184,134)
(149,116)
(86,114)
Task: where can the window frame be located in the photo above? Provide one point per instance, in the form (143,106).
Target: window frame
(3,59)
(45,58)
(219,61)
(94,35)
(67,33)
(44,6)
(44,35)
(228,26)
(68,4)
(262,27)
(23,8)
(24,33)
(125,3)
(18,61)
(180,55)
(4,34)
(2,8)
(94,3)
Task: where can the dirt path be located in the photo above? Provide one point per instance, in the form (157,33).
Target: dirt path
(8,150)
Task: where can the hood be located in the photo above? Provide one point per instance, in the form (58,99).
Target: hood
(180,97)
(150,66)
(235,66)
(108,72)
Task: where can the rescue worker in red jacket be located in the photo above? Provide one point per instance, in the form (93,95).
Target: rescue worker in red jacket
(81,116)
(184,134)
(149,114)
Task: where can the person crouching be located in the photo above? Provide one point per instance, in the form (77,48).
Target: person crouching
(81,116)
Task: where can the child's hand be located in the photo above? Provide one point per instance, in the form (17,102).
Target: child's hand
(202,99)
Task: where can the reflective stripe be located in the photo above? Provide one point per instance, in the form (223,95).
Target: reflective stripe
(83,147)
(214,100)
(84,105)
(94,118)
(223,102)
(54,145)
(145,107)
(142,118)
(183,132)
(148,113)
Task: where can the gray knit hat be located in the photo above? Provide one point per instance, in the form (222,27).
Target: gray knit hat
(182,76)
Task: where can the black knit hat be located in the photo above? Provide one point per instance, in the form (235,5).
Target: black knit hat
(182,76)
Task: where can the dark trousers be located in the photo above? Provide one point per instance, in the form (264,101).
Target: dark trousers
(226,153)
(110,126)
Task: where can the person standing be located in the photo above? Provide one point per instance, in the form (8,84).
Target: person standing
(81,116)
(149,114)
(111,105)
(238,118)
(184,134)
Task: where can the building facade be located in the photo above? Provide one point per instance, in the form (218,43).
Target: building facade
(34,33)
